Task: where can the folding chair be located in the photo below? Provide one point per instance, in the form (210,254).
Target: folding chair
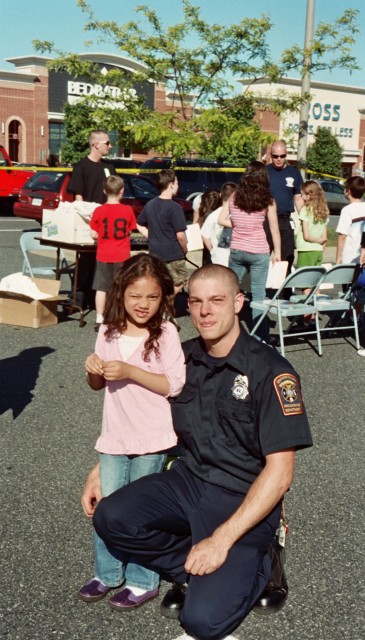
(31,248)
(340,305)
(304,278)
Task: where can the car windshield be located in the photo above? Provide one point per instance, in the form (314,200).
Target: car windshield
(332,187)
(45,181)
(141,187)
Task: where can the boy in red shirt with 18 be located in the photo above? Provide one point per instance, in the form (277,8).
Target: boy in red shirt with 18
(111,225)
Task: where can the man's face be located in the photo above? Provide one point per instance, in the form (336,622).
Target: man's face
(103,144)
(214,307)
(278,155)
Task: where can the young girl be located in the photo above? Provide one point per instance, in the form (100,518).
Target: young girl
(247,212)
(312,233)
(139,361)
(210,201)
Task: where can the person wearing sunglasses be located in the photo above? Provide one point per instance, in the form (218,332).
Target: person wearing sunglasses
(285,186)
(89,174)
(87,182)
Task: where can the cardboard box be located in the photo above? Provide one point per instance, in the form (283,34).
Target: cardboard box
(66,226)
(23,311)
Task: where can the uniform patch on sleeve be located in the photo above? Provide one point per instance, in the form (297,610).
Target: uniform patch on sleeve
(287,388)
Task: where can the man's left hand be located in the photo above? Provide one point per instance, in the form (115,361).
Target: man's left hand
(205,557)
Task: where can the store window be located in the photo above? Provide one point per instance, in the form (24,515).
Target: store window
(57,139)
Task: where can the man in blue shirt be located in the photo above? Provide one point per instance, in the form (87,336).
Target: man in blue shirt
(285,185)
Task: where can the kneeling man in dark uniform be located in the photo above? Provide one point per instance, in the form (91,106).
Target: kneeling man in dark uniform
(209,521)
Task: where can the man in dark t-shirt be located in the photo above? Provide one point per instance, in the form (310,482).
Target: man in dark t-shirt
(86,183)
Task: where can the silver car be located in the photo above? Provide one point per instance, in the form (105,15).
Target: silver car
(335,195)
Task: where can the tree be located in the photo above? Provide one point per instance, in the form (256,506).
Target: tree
(79,120)
(199,77)
(325,154)
(331,47)
(229,133)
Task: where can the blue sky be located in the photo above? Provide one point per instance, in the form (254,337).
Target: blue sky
(62,22)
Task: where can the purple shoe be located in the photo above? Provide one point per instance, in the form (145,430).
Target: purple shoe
(93,590)
(125,600)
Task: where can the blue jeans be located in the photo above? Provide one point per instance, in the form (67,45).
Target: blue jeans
(116,472)
(257,264)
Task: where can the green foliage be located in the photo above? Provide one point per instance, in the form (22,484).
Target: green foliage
(207,118)
(194,75)
(79,120)
(229,133)
(325,154)
(331,47)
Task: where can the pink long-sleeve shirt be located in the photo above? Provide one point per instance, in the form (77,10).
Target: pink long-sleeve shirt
(135,419)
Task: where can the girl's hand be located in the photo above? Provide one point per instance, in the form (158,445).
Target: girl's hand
(275,257)
(116,370)
(94,364)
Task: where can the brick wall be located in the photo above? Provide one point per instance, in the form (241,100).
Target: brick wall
(26,102)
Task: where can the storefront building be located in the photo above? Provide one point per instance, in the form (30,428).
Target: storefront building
(340,108)
(32,100)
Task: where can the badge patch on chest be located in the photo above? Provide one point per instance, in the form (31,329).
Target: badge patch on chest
(287,388)
(240,387)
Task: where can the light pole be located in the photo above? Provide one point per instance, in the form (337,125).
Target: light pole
(306,84)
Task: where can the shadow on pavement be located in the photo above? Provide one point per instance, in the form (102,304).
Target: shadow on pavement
(18,377)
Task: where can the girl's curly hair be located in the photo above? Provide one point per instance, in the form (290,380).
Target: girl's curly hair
(317,202)
(115,317)
(253,191)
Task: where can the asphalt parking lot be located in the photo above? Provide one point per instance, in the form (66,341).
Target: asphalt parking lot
(49,421)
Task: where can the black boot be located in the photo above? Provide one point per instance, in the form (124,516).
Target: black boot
(173,601)
(275,593)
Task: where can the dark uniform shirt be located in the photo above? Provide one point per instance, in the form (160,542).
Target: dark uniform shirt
(284,185)
(234,411)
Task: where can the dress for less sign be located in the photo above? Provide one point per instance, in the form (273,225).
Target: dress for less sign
(334,109)
(326,116)
(333,106)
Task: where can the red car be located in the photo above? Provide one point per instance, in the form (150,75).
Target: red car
(46,189)
(13,176)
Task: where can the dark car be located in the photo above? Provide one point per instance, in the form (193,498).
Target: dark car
(195,175)
(46,189)
(335,195)
(124,163)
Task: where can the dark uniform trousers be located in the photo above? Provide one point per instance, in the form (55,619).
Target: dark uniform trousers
(287,239)
(287,246)
(155,520)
